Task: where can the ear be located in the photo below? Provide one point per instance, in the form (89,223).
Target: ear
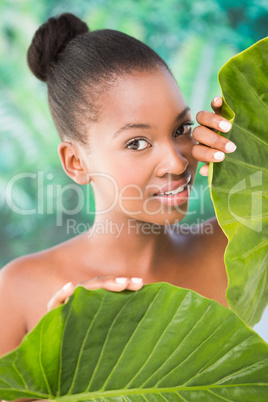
(72,163)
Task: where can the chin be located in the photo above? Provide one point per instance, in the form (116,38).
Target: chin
(163,219)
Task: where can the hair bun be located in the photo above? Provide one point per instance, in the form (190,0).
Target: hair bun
(50,40)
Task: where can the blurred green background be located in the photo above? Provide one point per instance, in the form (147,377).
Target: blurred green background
(194,37)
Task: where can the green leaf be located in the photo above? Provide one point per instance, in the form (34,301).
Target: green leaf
(160,343)
(240,182)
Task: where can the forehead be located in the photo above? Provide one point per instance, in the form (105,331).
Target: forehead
(149,97)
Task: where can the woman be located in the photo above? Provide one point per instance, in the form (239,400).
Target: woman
(126,129)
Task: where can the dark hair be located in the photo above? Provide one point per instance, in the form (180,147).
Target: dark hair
(77,66)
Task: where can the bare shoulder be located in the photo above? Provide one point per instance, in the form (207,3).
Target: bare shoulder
(39,266)
(25,271)
(26,285)
(16,287)
(12,313)
(18,273)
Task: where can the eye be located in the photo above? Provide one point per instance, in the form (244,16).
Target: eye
(184,129)
(138,144)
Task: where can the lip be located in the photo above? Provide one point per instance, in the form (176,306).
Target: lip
(176,199)
(173,185)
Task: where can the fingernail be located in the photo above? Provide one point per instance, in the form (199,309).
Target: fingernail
(203,172)
(219,155)
(67,286)
(217,99)
(136,280)
(230,146)
(225,125)
(120,280)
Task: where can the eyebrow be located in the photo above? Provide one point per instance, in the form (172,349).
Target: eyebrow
(147,126)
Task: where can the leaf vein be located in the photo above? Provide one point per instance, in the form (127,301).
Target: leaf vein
(141,392)
(182,397)
(250,86)
(256,248)
(256,218)
(41,363)
(21,376)
(61,351)
(193,352)
(83,345)
(159,340)
(202,370)
(165,399)
(177,348)
(263,284)
(225,354)
(254,137)
(4,381)
(243,163)
(124,349)
(106,340)
(240,371)
(219,396)
(244,192)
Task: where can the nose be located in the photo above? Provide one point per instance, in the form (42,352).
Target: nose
(171,161)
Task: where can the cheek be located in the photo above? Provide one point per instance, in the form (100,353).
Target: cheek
(132,179)
(125,178)
(133,172)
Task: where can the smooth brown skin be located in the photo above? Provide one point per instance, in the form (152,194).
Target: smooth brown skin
(33,284)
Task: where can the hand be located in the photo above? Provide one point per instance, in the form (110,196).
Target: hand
(212,146)
(105,282)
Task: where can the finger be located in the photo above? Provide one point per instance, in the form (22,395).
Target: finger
(206,154)
(59,298)
(216,105)
(213,121)
(113,284)
(204,170)
(135,283)
(216,141)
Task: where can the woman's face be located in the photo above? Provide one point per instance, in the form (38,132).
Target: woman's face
(140,154)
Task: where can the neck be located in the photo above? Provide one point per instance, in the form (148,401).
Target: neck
(127,247)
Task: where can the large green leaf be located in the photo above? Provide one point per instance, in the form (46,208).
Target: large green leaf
(160,343)
(240,182)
